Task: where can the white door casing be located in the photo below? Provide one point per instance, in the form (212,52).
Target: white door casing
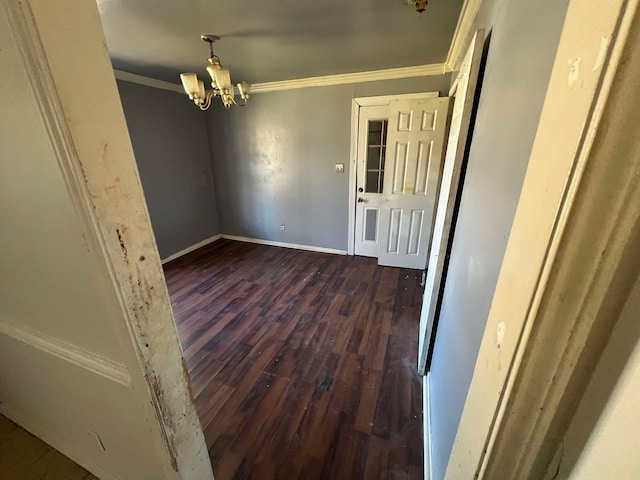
(372,125)
(415,143)
(577,225)
(360,104)
(458,133)
(93,366)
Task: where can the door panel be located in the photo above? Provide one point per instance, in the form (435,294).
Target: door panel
(415,142)
(425,151)
(415,230)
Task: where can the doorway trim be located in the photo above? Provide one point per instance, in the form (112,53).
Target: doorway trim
(356,104)
(546,331)
(99,170)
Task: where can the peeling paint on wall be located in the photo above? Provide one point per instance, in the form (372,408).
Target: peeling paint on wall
(574,70)
(500,333)
(163,420)
(123,247)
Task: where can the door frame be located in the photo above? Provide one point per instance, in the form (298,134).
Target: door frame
(367,114)
(546,331)
(95,157)
(356,104)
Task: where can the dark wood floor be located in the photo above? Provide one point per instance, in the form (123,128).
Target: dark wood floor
(262,330)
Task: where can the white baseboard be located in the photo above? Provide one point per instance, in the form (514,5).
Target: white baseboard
(190,249)
(238,238)
(426,416)
(286,245)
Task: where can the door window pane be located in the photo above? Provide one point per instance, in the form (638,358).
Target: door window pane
(376,150)
(373,178)
(375,132)
(373,158)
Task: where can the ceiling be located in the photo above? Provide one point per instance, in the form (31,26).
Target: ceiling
(271,40)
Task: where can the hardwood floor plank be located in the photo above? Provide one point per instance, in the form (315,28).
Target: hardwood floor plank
(55,466)
(6,428)
(264,470)
(367,406)
(377,464)
(211,401)
(18,453)
(302,363)
(24,456)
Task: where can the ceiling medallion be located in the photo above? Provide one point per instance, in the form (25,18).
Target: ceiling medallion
(419,5)
(220,82)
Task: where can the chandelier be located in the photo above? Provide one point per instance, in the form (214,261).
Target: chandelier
(220,82)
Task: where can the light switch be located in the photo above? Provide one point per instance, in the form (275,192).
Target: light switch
(339,167)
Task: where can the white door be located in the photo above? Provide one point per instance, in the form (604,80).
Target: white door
(370,155)
(415,143)
(462,107)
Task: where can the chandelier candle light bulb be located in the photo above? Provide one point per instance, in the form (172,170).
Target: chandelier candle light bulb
(220,83)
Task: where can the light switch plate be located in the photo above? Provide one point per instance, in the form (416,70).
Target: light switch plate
(339,167)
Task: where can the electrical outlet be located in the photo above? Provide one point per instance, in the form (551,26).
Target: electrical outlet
(339,167)
(282,226)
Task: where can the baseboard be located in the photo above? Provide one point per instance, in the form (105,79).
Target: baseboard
(426,416)
(285,245)
(260,241)
(190,249)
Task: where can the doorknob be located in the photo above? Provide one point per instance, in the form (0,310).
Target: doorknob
(361,190)
(360,200)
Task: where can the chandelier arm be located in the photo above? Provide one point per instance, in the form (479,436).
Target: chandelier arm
(207,102)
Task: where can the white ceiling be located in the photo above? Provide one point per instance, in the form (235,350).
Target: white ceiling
(271,40)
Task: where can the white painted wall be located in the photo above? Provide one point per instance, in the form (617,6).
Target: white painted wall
(71,371)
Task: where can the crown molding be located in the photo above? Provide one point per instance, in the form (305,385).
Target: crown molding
(321,81)
(147,81)
(467,17)
(357,77)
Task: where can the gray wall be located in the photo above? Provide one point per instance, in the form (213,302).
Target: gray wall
(524,39)
(273,161)
(169,139)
